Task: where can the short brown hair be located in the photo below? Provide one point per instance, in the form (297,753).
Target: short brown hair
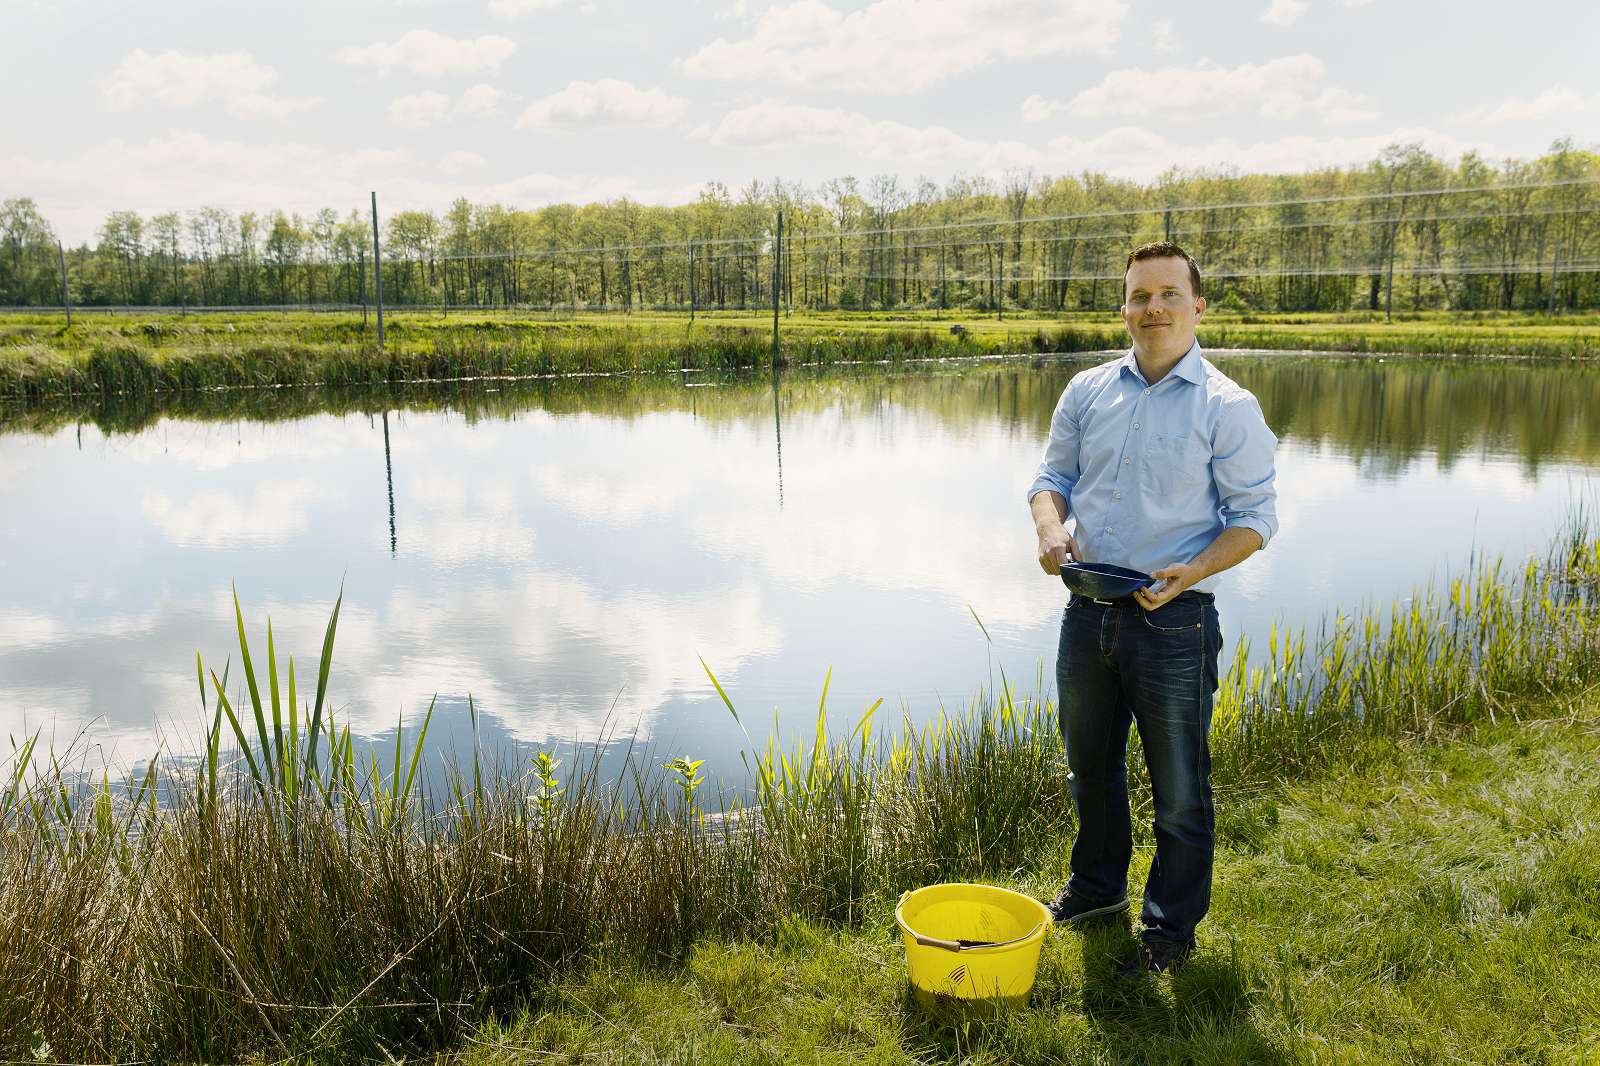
(1162,250)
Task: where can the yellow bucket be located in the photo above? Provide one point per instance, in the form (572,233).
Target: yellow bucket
(971,944)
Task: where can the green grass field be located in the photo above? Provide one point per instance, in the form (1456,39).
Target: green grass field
(41,359)
(1426,903)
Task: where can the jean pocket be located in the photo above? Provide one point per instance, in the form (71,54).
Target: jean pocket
(1179,616)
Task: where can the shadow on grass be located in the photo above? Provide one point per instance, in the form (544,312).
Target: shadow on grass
(1199,1015)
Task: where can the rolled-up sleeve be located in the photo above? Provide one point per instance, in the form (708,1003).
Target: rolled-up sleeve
(1243,468)
(1059,470)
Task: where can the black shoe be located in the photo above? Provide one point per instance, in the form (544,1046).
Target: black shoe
(1068,909)
(1155,956)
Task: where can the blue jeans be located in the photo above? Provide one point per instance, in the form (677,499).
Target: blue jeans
(1119,664)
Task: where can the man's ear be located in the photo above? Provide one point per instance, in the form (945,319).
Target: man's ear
(1199,306)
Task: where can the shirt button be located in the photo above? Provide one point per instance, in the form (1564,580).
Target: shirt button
(1136,425)
(1147,392)
(1116,495)
(1111,529)
(1125,462)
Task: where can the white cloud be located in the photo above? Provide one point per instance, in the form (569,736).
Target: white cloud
(481,101)
(277,511)
(510,9)
(1284,12)
(903,46)
(26,629)
(1137,153)
(419,110)
(430,54)
(1359,3)
(187,169)
(1125,151)
(607,102)
(773,122)
(461,162)
(1556,100)
(1164,37)
(1037,109)
(235,79)
(1287,88)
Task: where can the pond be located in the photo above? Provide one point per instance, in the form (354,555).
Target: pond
(568,552)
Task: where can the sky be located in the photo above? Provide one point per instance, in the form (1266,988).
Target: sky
(176,104)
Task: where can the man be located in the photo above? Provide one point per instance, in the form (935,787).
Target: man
(1166,466)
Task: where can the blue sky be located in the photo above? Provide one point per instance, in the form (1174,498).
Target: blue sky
(172,105)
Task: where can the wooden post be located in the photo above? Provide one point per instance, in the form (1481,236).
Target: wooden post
(691,283)
(377,269)
(388,472)
(361,283)
(66,294)
(777,284)
(1555,261)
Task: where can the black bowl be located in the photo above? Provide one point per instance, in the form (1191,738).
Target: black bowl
(1102,581)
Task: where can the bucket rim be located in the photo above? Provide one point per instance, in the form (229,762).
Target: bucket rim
(1037,932)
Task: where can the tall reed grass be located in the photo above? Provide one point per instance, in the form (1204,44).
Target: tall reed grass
(280,894)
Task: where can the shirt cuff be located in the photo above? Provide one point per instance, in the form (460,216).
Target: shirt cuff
(1262,527)
(1041,483)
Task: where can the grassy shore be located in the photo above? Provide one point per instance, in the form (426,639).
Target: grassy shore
(42,360)
(1423,903)
(291,899)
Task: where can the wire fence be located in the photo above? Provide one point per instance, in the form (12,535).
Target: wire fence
(1529,246)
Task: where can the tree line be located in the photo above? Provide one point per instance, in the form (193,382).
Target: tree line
(1406,231)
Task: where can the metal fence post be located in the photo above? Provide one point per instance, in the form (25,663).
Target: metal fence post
(377,269)
(777,283)
(66,295)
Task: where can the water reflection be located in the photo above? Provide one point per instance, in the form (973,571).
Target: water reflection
(574,549)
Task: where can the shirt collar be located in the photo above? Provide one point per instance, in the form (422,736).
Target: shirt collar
(1189,368)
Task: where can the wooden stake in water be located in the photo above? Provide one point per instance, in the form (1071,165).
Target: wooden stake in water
(377,269)
(66,296)
(388,471)
(361,283)
(691,283)
(777,278)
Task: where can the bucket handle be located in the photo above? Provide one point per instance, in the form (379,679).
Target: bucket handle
(956,945)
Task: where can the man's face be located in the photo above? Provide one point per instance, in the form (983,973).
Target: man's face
(1161,307)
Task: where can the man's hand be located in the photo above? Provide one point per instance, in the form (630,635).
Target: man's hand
(1176,578)
(1230,548)
(1056,546)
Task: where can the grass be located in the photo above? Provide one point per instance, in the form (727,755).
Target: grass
(1430,903)
(41,361)
(294,899)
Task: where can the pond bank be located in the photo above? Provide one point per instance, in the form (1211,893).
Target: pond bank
(1436,898)
(42,362)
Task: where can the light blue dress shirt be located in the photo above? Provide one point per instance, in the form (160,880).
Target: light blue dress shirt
(1153,473)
